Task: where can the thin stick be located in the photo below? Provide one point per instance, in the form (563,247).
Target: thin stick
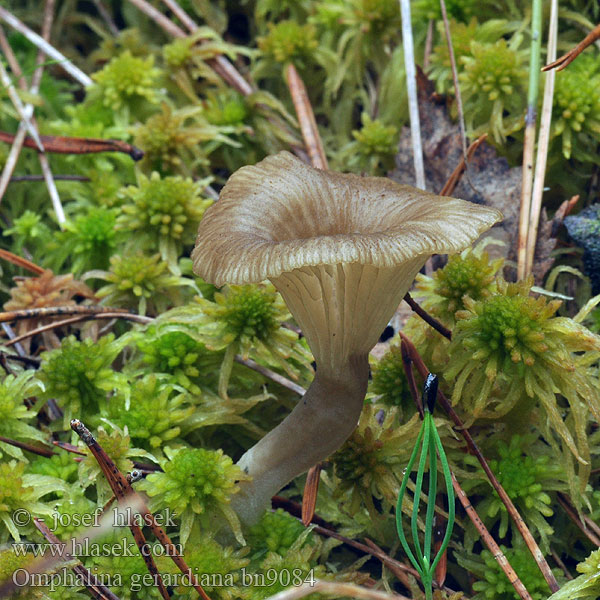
(572,514)
(454,178)
(489,542)
(181,15)
(97,589)
(306,118)
(543,143)
(122,490)
(19,261)
(457,95)
(411,89)
(439,327)
(529,141)
(74,145)
(398,573)
(276,377)
(566,59)
(54,311)
(40,451)
(309,496)
(428,45)
(34,178)
(474,449)
(106,17)
(40,43)
(57,324)
(24,114)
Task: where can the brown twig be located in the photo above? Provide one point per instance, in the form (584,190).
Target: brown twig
(410,376)
(28,360)
(566,59)
(306,118)
(219,64)
(489,542)
(39,450)
(453,180)
(94,587)
(439,327)
(56,324)
(276,377)
(69,447)
(19,261)
(457,95)
(122,490)
(73,145)
(399,574)
(309,497)
(20,178)
(54,311)
(572,514)
(474,449)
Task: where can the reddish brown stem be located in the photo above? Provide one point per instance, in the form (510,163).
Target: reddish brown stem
(439,327)
(54,311)
(490,542)
(474,449)
(74,145)
(122,490)
(94,587)
(453,180)
(566,59)
(39,450)
(19,261)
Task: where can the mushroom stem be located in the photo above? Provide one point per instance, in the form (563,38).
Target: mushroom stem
(319,424)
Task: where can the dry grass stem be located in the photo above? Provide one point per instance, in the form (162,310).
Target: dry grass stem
(54,311)
(543,143)
(490,543)
(19,261)
(306,118)
(49,50)
(454,178)
(181,14)
(39,450)
(411,90)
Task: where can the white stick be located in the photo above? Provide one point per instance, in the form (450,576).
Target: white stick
(43,45)
(21,110)
(411,88)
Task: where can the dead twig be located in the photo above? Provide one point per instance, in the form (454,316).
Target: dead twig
(43,45)
(566,59)
(454,178)
(474,449)
(572,514)
(439,327)
(56,324)
(122,490)
(39,450)
(54,311)
(306,118)
(276,377)
(73,145)
(19,261)
(94,587)
(490,542)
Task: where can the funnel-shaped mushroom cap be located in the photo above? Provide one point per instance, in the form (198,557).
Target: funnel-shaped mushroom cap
(342,249)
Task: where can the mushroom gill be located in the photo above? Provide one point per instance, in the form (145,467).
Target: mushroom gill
(342,250)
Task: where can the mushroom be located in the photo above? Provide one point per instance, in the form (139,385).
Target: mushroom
(342,250)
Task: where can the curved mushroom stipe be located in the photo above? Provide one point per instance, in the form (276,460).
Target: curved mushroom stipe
(342,250)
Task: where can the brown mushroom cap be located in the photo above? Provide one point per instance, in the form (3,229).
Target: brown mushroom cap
(281,214)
